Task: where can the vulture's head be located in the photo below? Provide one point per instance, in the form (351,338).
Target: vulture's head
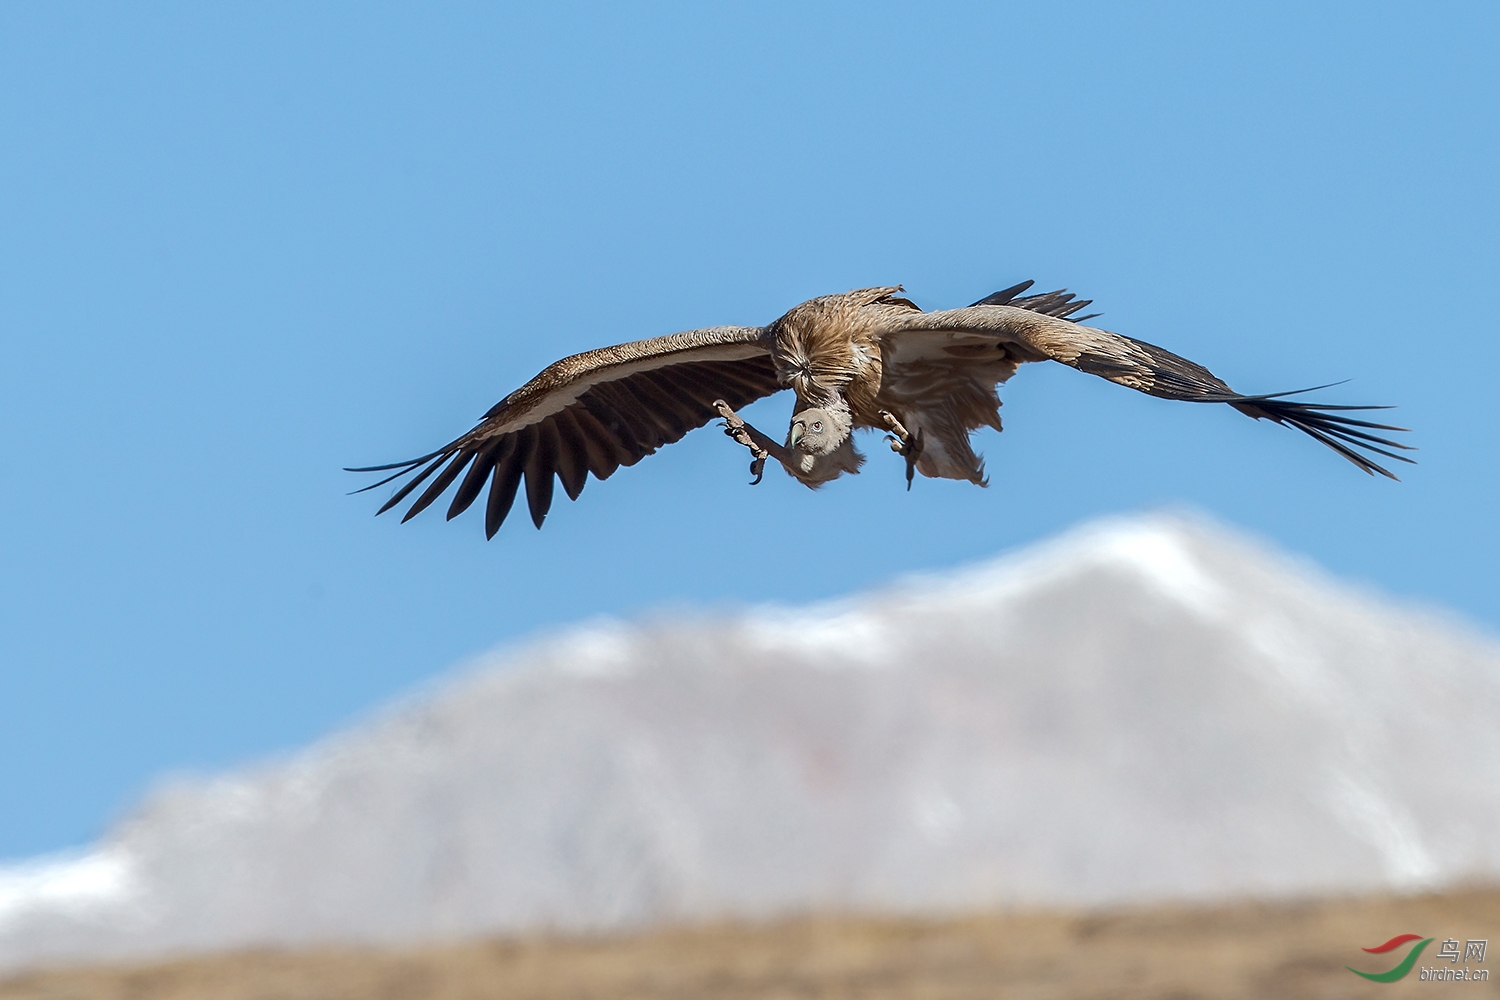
(816,431)
(820,446)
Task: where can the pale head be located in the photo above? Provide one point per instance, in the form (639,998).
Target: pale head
(819,430)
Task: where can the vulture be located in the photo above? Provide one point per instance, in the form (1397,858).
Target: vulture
(866,359)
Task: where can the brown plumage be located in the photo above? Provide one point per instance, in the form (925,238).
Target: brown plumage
(869,358)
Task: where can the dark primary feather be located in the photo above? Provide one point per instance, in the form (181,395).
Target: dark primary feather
(1319,421)
(461,458)
(1061,303)
(504,482)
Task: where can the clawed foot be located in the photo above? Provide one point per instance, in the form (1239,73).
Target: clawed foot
(903,443)
(735,427)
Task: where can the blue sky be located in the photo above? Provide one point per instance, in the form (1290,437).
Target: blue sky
(244,246)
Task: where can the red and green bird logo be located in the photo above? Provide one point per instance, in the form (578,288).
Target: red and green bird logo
(1405,966)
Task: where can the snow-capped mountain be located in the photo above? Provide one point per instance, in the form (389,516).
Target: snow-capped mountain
(1144,708)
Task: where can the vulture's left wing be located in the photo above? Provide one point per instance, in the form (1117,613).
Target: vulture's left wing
(592,412)
(996,333)
(943,383)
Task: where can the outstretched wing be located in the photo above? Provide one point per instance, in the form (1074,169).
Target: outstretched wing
(592,412)
(990,332)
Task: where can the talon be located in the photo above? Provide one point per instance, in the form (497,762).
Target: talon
(903,443)
(737,433)
(736,428)
(896,427)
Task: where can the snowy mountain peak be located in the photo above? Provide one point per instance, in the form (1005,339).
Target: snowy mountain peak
(1142,708)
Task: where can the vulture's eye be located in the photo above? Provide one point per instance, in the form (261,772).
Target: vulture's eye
(817,426)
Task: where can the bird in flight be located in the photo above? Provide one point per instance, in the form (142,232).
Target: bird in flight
(866,359)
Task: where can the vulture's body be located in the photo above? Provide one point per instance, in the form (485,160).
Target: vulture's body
(869,358)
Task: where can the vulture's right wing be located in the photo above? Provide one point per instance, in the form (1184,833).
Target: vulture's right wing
(1029,334)
(592,412)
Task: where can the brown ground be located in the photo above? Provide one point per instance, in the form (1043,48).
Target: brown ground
(1244,950)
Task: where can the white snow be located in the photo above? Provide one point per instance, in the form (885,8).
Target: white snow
(76,885)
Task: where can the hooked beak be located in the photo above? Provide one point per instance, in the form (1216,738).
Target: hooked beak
(795,435)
